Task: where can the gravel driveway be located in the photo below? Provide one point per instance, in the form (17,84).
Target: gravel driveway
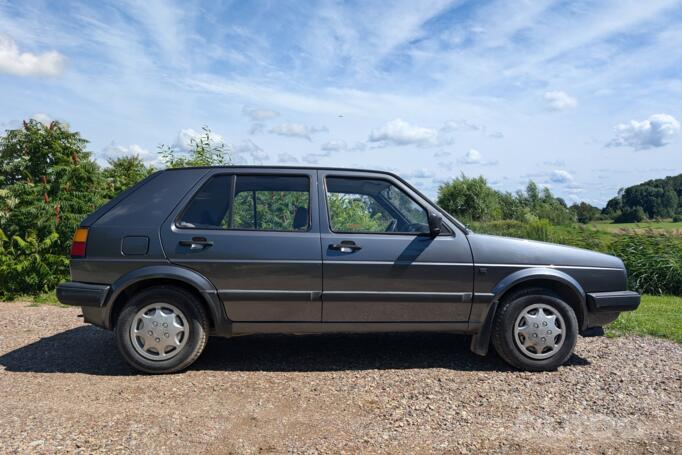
(63,388)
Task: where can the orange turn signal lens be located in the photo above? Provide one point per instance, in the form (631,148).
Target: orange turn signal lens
(80,239)
(81,235)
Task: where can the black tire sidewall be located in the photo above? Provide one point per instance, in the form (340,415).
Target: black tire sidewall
(192,311)
(509,351)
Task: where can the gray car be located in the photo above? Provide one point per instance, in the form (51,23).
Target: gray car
(225,251)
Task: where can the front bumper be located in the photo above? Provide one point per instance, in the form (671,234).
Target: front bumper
(605,307)
(83,295)
(600,302)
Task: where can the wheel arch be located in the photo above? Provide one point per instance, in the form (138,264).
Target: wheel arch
(557,281)
(169,275)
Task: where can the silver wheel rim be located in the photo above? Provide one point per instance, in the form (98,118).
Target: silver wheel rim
(539,331)
(159,331)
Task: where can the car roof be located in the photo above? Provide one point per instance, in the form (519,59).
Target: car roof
(310,168)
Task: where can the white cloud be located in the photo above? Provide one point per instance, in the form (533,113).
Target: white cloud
(248,153)
(185,137)
(312,158)
(400,132)
(259,115)
(113,151)
(334,146)
(656,131)
(473,156)
(42,118)
(560,176)
(418,174)
(27,64)
(461,125)
(297,130)
(559,100)
(286,158)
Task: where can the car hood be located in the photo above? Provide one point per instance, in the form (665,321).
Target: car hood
(491,249)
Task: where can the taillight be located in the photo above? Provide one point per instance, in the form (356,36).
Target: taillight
(80,239)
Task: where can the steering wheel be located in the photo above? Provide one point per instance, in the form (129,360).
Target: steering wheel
(391,225)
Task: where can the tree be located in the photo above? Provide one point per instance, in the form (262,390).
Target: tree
(631,215)
(470,199)
(585,212)
(49,182)
(205,150)
(124,172)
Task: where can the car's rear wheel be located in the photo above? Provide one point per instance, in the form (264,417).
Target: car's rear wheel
(162,329)
(535,330)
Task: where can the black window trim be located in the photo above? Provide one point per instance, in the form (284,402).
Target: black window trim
(231,194)
(444,232)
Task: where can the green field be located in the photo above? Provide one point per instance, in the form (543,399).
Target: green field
(659,316)
(608,226)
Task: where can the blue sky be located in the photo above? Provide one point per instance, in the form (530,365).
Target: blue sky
(584,97)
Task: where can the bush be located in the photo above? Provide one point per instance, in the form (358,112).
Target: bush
(29,266)
(653,261)
(631,215)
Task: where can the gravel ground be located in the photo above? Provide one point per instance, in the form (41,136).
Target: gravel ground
(64,388)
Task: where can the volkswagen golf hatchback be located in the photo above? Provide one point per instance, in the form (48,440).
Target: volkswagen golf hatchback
(224,251)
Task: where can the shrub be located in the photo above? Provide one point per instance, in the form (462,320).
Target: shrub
(653,261)
(631,215)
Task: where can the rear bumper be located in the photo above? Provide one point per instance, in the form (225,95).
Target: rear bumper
(82,294)
(599,302)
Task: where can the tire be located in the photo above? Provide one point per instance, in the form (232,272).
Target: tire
(537,351)
(141,323)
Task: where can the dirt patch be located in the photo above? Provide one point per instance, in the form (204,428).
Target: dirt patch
(64,388)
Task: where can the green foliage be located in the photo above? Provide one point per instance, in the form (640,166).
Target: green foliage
(205,150)
(653,260)
(585,213)
(124,172)
(275,210)
(355,214)
(48,184)
(653,199)
(472,200)
(631,215)
(29,265)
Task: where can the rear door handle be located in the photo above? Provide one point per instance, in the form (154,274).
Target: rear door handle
(197,243)
(346,246)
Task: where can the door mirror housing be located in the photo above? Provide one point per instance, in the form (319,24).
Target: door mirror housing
(435,223)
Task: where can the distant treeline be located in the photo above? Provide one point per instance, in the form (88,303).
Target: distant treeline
(472,200)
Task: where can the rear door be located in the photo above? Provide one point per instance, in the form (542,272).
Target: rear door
(253,233)
(379,263)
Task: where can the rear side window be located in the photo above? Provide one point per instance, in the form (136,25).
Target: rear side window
(258,202)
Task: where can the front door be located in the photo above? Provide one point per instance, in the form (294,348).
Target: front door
(254,236)
(379,263)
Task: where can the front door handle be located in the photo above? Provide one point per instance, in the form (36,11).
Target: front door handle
(346,246)
(197,243)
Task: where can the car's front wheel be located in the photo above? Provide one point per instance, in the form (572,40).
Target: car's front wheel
(535,330)
(162,329)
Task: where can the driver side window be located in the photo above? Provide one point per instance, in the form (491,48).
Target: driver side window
(358,205)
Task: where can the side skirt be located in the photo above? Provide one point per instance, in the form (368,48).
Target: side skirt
(243,328)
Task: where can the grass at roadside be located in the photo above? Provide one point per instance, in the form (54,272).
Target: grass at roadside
(669,226)
(659,316)
(46,298)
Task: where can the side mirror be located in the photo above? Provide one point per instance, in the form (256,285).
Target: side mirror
(435,223)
